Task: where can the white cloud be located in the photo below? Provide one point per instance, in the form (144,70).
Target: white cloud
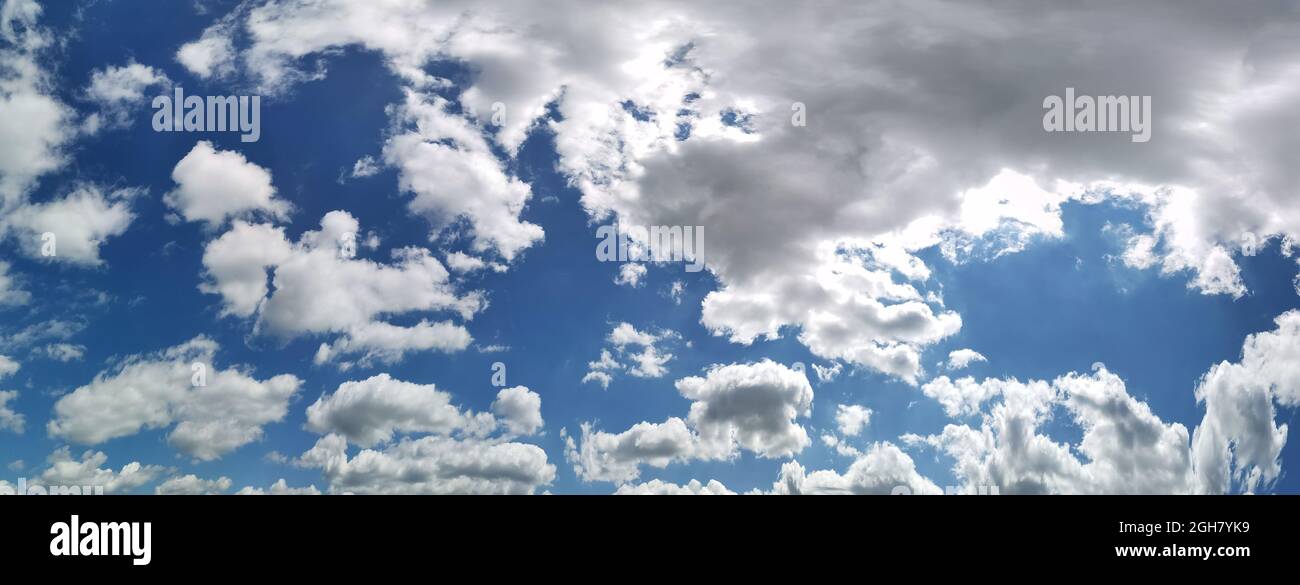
(36,126)
(11,293)
(119,91)
(8,366)
(10,420)
(851,418)
(213,54)
(960,359)
(630,274)
(1239,443)
(519,409)
(215,185)
(444,162)
(64,352)
(319,290)
(371,411)
(65,471)
(279,488)
(828,373)
(464,263)
(1125,447)
(79,222)
(657,487)
(738,406)
(387,343)
(365,167)
(158,391)
(964,396)
(646,362)
(193,485)
(883,470)
(431,464)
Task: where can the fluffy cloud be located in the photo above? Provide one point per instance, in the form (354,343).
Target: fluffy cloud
(1239,443)
(883,470)
(8,366)
(1125,447)
(738,406)
(66,471)
(225,412)
(646,362)
(920,141)
(10,420)
(322,289)
(459,453)
(432,464)
(193,485)
(214,185)
(960,359)
(36,126)
(851,418)
(78,222)
(279,488)
(371,411)
(657,487)
(519,409)
(441,159)
(11,293)
(120,91)
(213,53)
(964,396)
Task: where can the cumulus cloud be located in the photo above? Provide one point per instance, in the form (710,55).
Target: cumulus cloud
(519,409)
(884,469)
(851,418)
(8,366)
(119,91)
(74,227)
(321,288)
(960,359)
(630,274)
(637,350)
(193,485)
(1125,447)
(215,185)
(11,292)
(37,126)
(279,488)
(739,406)
(66,471)
(371,411)
(210,411)
(10,420)
(431,464)
(213,54)
(461,452)
(657,487)
(921,141)
(1238,444)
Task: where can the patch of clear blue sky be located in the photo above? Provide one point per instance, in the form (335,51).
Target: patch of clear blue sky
(1058,306)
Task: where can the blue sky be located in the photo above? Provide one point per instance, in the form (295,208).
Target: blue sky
(1065,301)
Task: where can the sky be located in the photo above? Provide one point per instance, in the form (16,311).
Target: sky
(909,284)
